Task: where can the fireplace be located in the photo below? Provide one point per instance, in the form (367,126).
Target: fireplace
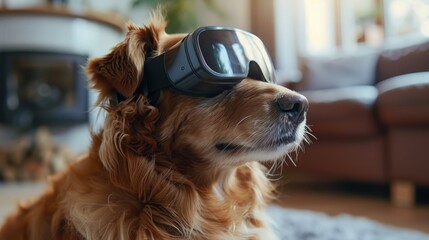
(42,88)
(42,83)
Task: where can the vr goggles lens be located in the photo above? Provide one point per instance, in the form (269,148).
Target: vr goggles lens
(209,61)
(230,53)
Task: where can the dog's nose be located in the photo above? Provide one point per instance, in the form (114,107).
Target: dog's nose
(295,106)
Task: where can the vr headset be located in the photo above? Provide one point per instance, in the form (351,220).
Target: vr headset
(207,62)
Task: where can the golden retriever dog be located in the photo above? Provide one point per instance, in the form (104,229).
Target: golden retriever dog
(185,168)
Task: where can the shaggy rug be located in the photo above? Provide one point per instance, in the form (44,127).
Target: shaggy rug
(294,224)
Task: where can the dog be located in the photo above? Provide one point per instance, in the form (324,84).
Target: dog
(185,168)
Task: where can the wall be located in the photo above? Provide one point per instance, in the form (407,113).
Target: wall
(262,23)
(234,13)
(255,16)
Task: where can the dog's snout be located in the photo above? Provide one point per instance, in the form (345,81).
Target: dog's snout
(294,106)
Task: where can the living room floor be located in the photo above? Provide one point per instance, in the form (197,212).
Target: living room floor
(333,198)
(365,200)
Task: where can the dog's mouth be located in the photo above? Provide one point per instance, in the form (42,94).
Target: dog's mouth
(267,145)
(272,144)
(229,147)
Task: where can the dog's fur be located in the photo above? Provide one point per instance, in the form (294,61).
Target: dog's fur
(159,172)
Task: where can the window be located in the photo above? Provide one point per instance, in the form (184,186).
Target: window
(407,18)
(318,24)
(328,26)
(367,22)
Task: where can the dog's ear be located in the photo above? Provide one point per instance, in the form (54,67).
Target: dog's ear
(121,70)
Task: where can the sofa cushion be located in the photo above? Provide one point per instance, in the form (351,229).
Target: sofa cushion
(404,100)
(343,71)
(395,62)
(342,112)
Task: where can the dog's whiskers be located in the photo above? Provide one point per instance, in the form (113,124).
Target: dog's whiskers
(307,134)
(241,121)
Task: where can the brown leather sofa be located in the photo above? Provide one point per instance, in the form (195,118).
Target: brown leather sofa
(370,115)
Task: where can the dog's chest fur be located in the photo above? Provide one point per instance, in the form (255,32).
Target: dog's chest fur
(228,210)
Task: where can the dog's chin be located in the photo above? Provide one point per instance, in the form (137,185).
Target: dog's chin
(266,150)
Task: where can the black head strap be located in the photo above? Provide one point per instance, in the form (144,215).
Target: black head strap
(116,99)
(153,80)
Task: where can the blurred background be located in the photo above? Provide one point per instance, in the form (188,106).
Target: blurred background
(363,65)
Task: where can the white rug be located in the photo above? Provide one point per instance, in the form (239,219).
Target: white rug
(307,225)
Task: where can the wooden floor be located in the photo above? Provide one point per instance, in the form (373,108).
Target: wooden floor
(367,200)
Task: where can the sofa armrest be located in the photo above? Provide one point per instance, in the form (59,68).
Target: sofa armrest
(403,60)
(404,100)
(342,113)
